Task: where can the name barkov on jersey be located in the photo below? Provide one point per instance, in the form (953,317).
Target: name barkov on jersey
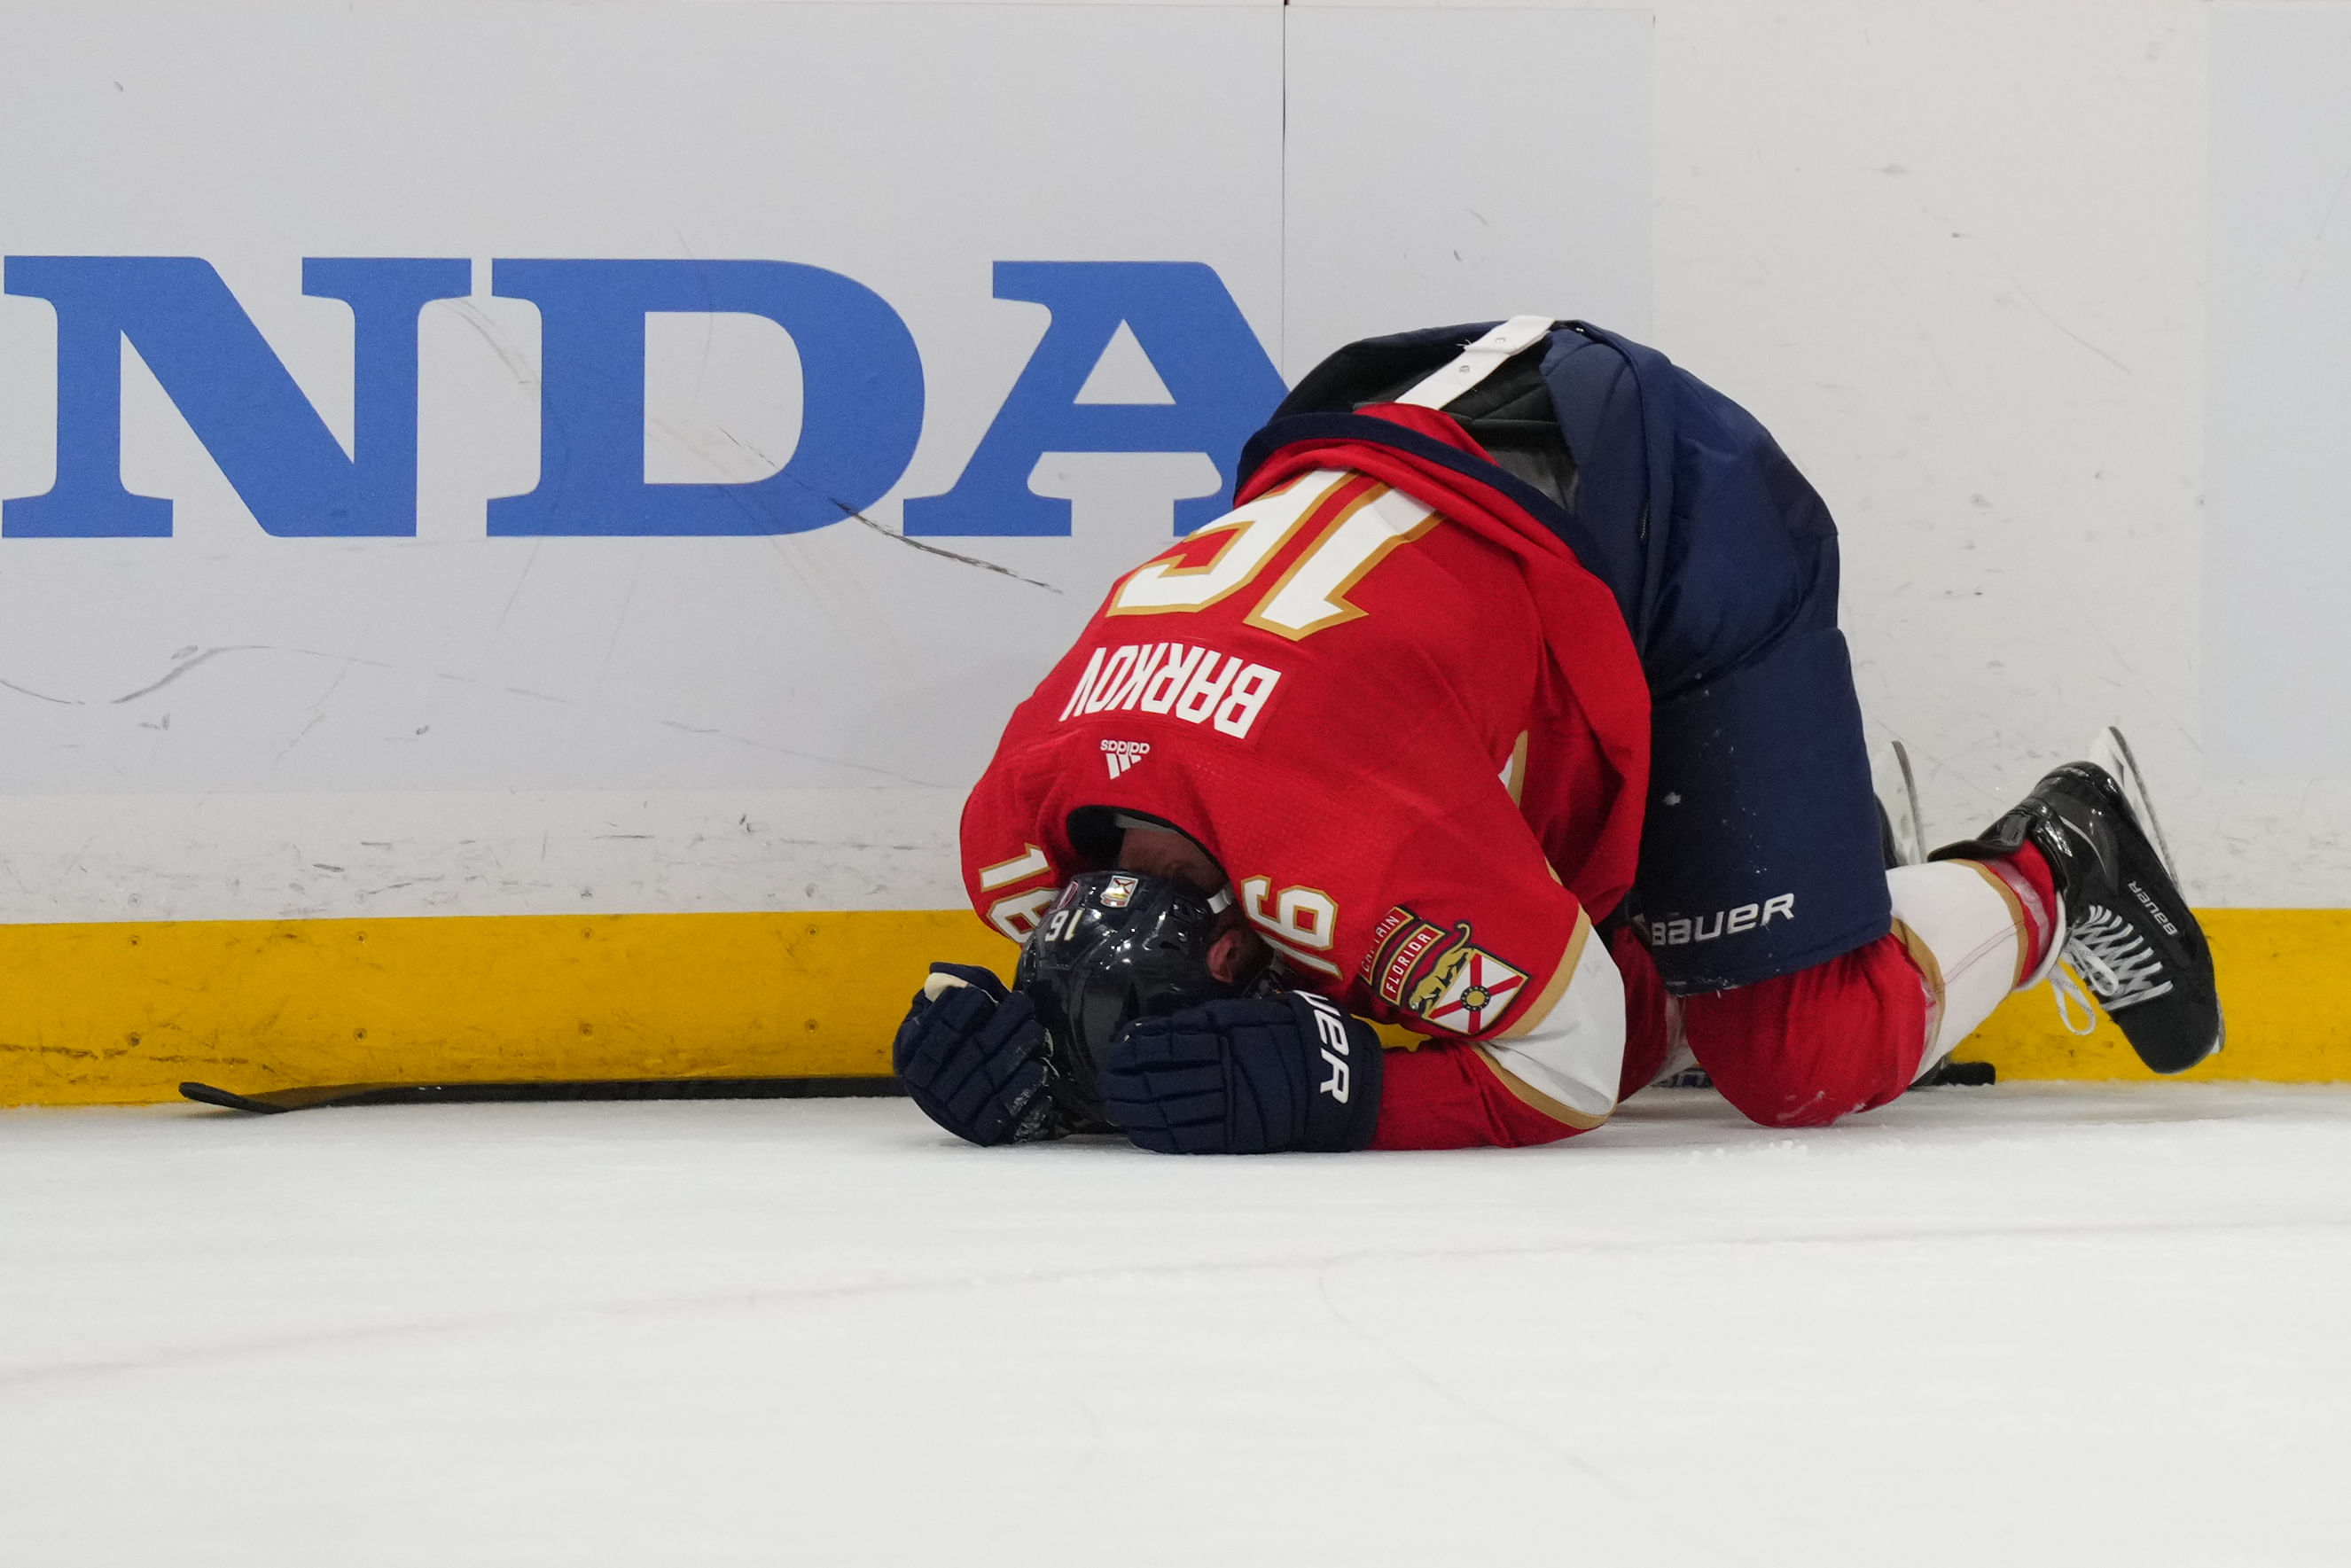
(1195,684)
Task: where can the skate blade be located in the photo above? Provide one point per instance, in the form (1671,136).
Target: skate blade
(2113,753)
(1898,796)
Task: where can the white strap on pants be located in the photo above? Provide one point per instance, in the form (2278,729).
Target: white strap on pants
(1479,361)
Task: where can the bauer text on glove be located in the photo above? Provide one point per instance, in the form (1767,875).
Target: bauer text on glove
(1246,1076)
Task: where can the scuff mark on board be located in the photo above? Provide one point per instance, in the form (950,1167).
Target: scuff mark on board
(209,654)
(30,692)
(854,514)
(788,751)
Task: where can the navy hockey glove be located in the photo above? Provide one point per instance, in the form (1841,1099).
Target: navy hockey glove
(972,1055)
(1246,1076)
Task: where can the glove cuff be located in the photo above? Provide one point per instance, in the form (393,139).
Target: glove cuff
(944,978)
(1343,1075)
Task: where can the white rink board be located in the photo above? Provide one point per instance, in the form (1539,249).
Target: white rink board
(2030,1325)
(233,704)
(830,658)
(1442,161)
(2278,541)
(1957,256)
(2016,351)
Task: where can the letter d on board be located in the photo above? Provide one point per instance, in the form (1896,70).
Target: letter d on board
(861,397)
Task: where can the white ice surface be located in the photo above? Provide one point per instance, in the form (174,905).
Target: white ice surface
(2034,1325)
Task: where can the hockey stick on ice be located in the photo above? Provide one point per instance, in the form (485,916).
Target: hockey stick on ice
(274,1101)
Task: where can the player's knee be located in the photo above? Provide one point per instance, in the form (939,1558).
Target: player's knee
(1804,1050)
(1794,1090)
(1797,1101)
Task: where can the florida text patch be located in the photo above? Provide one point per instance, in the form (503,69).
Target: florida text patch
(1439,974)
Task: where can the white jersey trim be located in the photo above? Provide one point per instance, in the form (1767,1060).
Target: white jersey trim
(1566,1053)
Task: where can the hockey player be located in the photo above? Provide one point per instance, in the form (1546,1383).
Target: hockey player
(1508,707)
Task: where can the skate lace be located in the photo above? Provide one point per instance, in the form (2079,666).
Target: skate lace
(2070,995)
(2114,959)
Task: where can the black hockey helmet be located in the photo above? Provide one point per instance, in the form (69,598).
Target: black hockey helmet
(1115,945)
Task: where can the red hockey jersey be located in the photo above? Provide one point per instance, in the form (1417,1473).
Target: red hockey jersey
(1407,724)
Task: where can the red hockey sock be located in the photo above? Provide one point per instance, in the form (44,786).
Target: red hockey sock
(2027,874)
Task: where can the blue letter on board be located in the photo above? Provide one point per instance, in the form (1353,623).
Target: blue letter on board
(860,397)
(234,392)
(1223,385)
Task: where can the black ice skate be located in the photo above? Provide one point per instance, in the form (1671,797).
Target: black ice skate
(2126,931)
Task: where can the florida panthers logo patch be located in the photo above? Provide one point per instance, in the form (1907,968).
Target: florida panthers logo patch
(1439,974)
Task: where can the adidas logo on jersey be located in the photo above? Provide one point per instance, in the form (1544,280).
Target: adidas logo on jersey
(1122,755)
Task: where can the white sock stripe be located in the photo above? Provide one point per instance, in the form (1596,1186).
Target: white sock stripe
(1969,927)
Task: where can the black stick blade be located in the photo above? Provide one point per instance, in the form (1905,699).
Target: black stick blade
(281,1100)
(206,1094)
